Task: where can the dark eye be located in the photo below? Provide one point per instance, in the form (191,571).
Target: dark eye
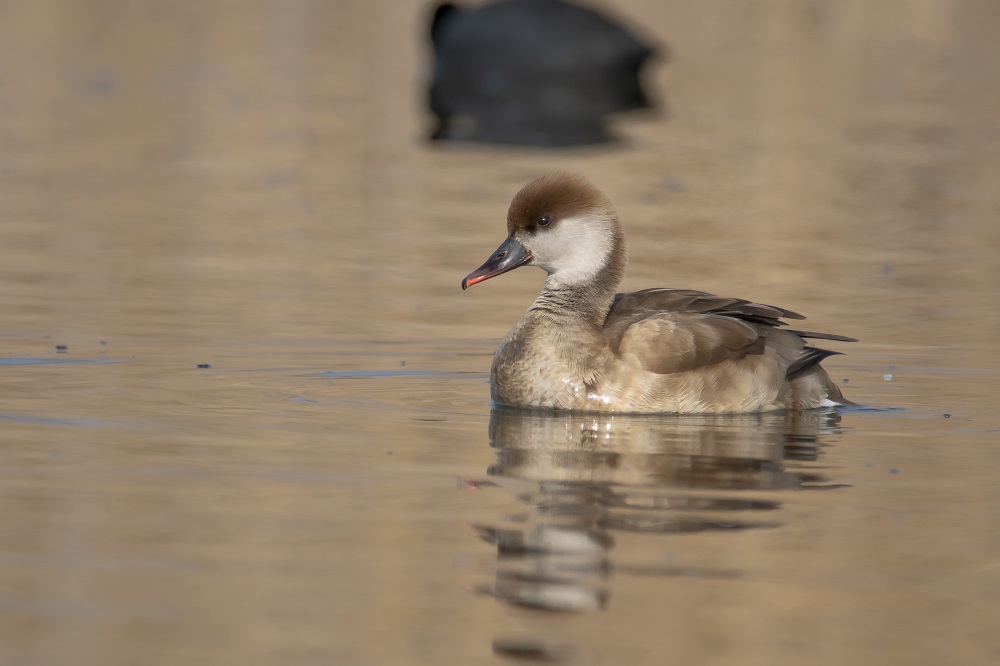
(543,221)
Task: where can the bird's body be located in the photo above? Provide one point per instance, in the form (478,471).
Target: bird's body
(582,346)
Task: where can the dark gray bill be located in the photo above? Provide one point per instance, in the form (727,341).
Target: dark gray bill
(507,257)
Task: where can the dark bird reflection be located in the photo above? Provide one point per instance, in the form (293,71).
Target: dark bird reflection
(584,477)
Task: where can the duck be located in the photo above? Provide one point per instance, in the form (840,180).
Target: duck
(584,346)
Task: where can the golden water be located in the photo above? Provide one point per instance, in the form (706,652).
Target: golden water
(245,185)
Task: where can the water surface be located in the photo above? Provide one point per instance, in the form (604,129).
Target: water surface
(245,410)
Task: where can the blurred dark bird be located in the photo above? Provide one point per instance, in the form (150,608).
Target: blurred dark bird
(533,72)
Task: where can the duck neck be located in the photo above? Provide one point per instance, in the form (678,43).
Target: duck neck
(586,297)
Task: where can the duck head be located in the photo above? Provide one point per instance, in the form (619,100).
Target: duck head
(564,225)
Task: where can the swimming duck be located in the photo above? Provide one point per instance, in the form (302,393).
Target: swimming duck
(582,346)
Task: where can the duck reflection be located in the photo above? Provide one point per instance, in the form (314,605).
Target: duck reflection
(585,477)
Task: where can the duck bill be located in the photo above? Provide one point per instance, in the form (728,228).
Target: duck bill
(507,257)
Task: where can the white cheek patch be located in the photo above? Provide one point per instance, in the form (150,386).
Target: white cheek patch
(574,251)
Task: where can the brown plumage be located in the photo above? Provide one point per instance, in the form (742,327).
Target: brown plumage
(582,346)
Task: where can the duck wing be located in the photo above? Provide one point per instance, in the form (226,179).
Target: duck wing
(676,330)
(651,301)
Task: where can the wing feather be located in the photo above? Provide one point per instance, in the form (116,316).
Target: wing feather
(676,343)
(676,330)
